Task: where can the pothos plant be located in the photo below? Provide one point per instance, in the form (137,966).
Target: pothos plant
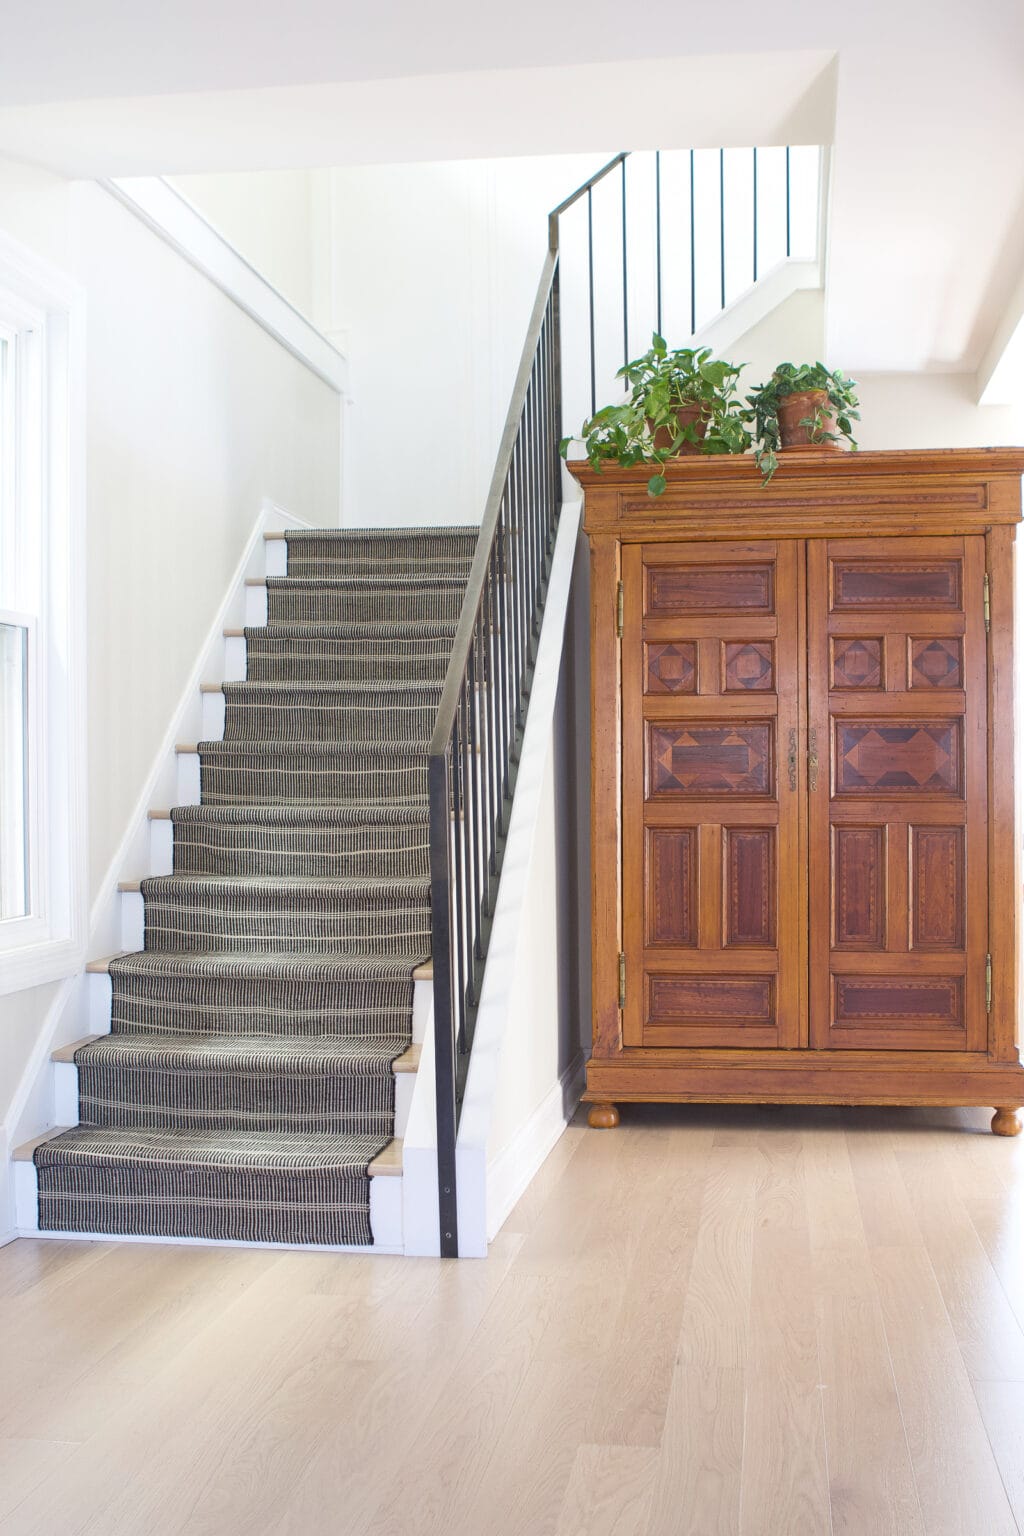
(830,421)
(647,429)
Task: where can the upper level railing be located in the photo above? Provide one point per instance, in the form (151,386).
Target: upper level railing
(474,751)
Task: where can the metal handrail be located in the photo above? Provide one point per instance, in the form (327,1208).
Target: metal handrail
(474,748)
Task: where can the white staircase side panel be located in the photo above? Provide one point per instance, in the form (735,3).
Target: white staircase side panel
(489,1184)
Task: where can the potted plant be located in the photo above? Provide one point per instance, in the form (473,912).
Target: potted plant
(801,406)
(681,401)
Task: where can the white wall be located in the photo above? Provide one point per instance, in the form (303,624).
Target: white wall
(194,416)
(270,216)
(932,410)
(435,269)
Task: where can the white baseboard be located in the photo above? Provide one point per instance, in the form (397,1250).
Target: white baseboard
(509,1175)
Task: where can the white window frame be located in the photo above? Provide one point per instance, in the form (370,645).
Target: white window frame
(43,547)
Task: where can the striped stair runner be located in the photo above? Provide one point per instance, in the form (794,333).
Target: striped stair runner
(247,1082)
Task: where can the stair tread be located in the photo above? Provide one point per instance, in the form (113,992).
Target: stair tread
(396,531)
(269,964)
(328,885)
(268,1150)
(374,686)
(266,1054)
(372,813)
(316,749)
(351,629)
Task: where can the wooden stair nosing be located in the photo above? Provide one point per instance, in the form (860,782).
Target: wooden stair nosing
(387,1164)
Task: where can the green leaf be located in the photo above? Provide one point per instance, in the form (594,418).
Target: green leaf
(656,485)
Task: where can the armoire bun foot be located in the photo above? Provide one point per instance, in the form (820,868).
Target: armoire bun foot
(1005,1121)
(605,1117)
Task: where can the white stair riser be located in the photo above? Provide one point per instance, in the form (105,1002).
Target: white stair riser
(385,1219)
(276,556)
(422,1003)
(189,783)
(213,716)
(235,659)
(255,606)
(99,997)
(161,846)
(133,920)
(65,1094)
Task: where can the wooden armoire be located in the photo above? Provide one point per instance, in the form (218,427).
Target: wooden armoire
(804,847)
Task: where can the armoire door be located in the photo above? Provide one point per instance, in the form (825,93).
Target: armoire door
(713,845)
(898,800)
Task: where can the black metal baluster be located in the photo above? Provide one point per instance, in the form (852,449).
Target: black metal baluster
(721,212)
(625,275)
(789,243)
(590,265)
(440,791)
(755,213)
(657,230)
(693,252)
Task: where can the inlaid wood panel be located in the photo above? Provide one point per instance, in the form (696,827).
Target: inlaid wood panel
(898,810)
(749,884)
(720,759)
(895,584)
(710,588)
(858,887)
(700,1000)
(857,662)
(936,662)
(887,757)
(671,898)
(905,1001)
(713,879)
(671,668)
(748,666)
(938,888)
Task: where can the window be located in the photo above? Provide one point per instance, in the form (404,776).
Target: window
(41,607)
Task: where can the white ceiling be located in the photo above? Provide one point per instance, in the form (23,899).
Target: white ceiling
(927,100)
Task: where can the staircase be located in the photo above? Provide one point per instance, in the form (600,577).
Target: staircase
(246,1089)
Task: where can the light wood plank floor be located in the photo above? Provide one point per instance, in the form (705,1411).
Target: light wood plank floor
(717,1321)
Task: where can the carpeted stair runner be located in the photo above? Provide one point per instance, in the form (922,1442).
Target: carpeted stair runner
(247,1082)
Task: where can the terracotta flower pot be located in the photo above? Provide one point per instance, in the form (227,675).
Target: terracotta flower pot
(793,409)
(687,416)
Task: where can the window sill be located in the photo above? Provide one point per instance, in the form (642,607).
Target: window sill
(34,965)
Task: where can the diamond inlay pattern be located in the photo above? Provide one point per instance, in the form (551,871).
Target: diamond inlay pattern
(672,668)
(936,664)
(749,666)
(922,756)
(856,663)
(725,759)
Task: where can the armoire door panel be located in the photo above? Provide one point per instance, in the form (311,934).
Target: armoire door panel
(714,879)
(897,841)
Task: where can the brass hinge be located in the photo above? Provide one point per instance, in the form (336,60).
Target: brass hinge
(988,983)
(618,611)
(622,981)
(987,605)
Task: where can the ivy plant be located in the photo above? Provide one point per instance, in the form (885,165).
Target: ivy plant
(661,384)
(792,379)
